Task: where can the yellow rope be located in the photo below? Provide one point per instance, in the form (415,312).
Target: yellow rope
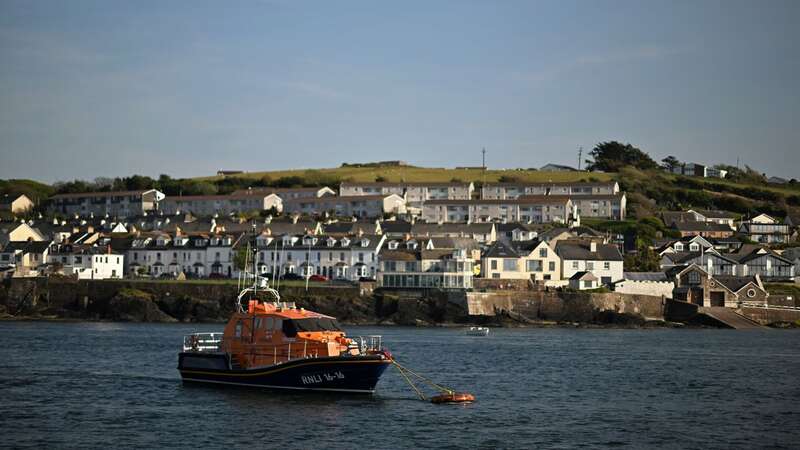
(422,378)
(410,383)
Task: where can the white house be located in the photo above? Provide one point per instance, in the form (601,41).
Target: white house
(345,257)
(603,260)
(87,262)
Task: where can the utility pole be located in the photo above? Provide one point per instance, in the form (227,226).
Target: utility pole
(484,158)
(580,157)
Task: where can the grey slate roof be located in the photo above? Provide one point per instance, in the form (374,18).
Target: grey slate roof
(500,250)
(581,251)
(735,283)
(645,276)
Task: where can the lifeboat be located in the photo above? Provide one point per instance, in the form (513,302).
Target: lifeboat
(273,344)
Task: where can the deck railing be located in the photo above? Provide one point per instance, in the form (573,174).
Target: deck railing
(202,342)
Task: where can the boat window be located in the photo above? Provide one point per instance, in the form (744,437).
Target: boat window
(238,332)
(268,324)
(278,325)
(291,327)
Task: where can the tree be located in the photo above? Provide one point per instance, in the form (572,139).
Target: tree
(380,179)
(670,163)
(612,156)
(644,260)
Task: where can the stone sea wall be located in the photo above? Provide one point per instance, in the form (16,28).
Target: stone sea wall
(134,300)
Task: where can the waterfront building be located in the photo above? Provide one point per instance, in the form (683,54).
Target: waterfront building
(196,255)
(24,259)
(334,257)
(603,260)
(695,285)
(531,260)
(16,204)
(373,206)
(425,269)
(113,204)
(86,262)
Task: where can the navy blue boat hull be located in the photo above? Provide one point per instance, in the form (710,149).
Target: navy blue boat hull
(352,374)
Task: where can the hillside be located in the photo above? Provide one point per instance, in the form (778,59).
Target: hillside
(411,174)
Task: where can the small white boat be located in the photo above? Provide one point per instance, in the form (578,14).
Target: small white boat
(477,331)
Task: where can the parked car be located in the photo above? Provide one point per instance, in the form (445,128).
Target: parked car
(291,276)
(318,278)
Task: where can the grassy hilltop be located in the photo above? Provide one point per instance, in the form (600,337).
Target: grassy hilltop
(412,174)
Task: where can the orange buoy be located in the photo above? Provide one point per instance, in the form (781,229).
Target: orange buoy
(453,397)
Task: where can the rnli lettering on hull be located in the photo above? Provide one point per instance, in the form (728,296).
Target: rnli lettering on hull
(320,377)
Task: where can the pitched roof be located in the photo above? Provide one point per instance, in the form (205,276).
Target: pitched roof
(735,284)
(582,251)
(396,226)
(500,250)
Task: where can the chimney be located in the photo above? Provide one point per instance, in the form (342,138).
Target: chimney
(592,246)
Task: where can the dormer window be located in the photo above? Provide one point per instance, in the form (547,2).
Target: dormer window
(411,245)
(226,241)
(345,242)
(393,245)
(365,242)
(678,247)
(694,247)
(330,242)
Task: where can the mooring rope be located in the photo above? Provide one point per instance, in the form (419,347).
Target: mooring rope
(405,370)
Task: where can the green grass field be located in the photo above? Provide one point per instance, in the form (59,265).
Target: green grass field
(412,174)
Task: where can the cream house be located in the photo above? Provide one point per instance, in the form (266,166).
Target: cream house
(527,260)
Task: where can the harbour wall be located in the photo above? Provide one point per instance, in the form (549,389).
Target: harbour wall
(143,300)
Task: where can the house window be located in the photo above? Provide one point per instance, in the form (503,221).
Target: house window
(509,265)
(551,267)
(543,253)
(694,278)
(606,265)
(494,264)
(589,265)
(534,265)
(574,264)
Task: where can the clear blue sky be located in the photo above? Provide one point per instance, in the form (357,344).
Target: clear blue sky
(114,88)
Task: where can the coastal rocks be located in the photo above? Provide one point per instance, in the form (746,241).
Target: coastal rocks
(186,308)
(132,305)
